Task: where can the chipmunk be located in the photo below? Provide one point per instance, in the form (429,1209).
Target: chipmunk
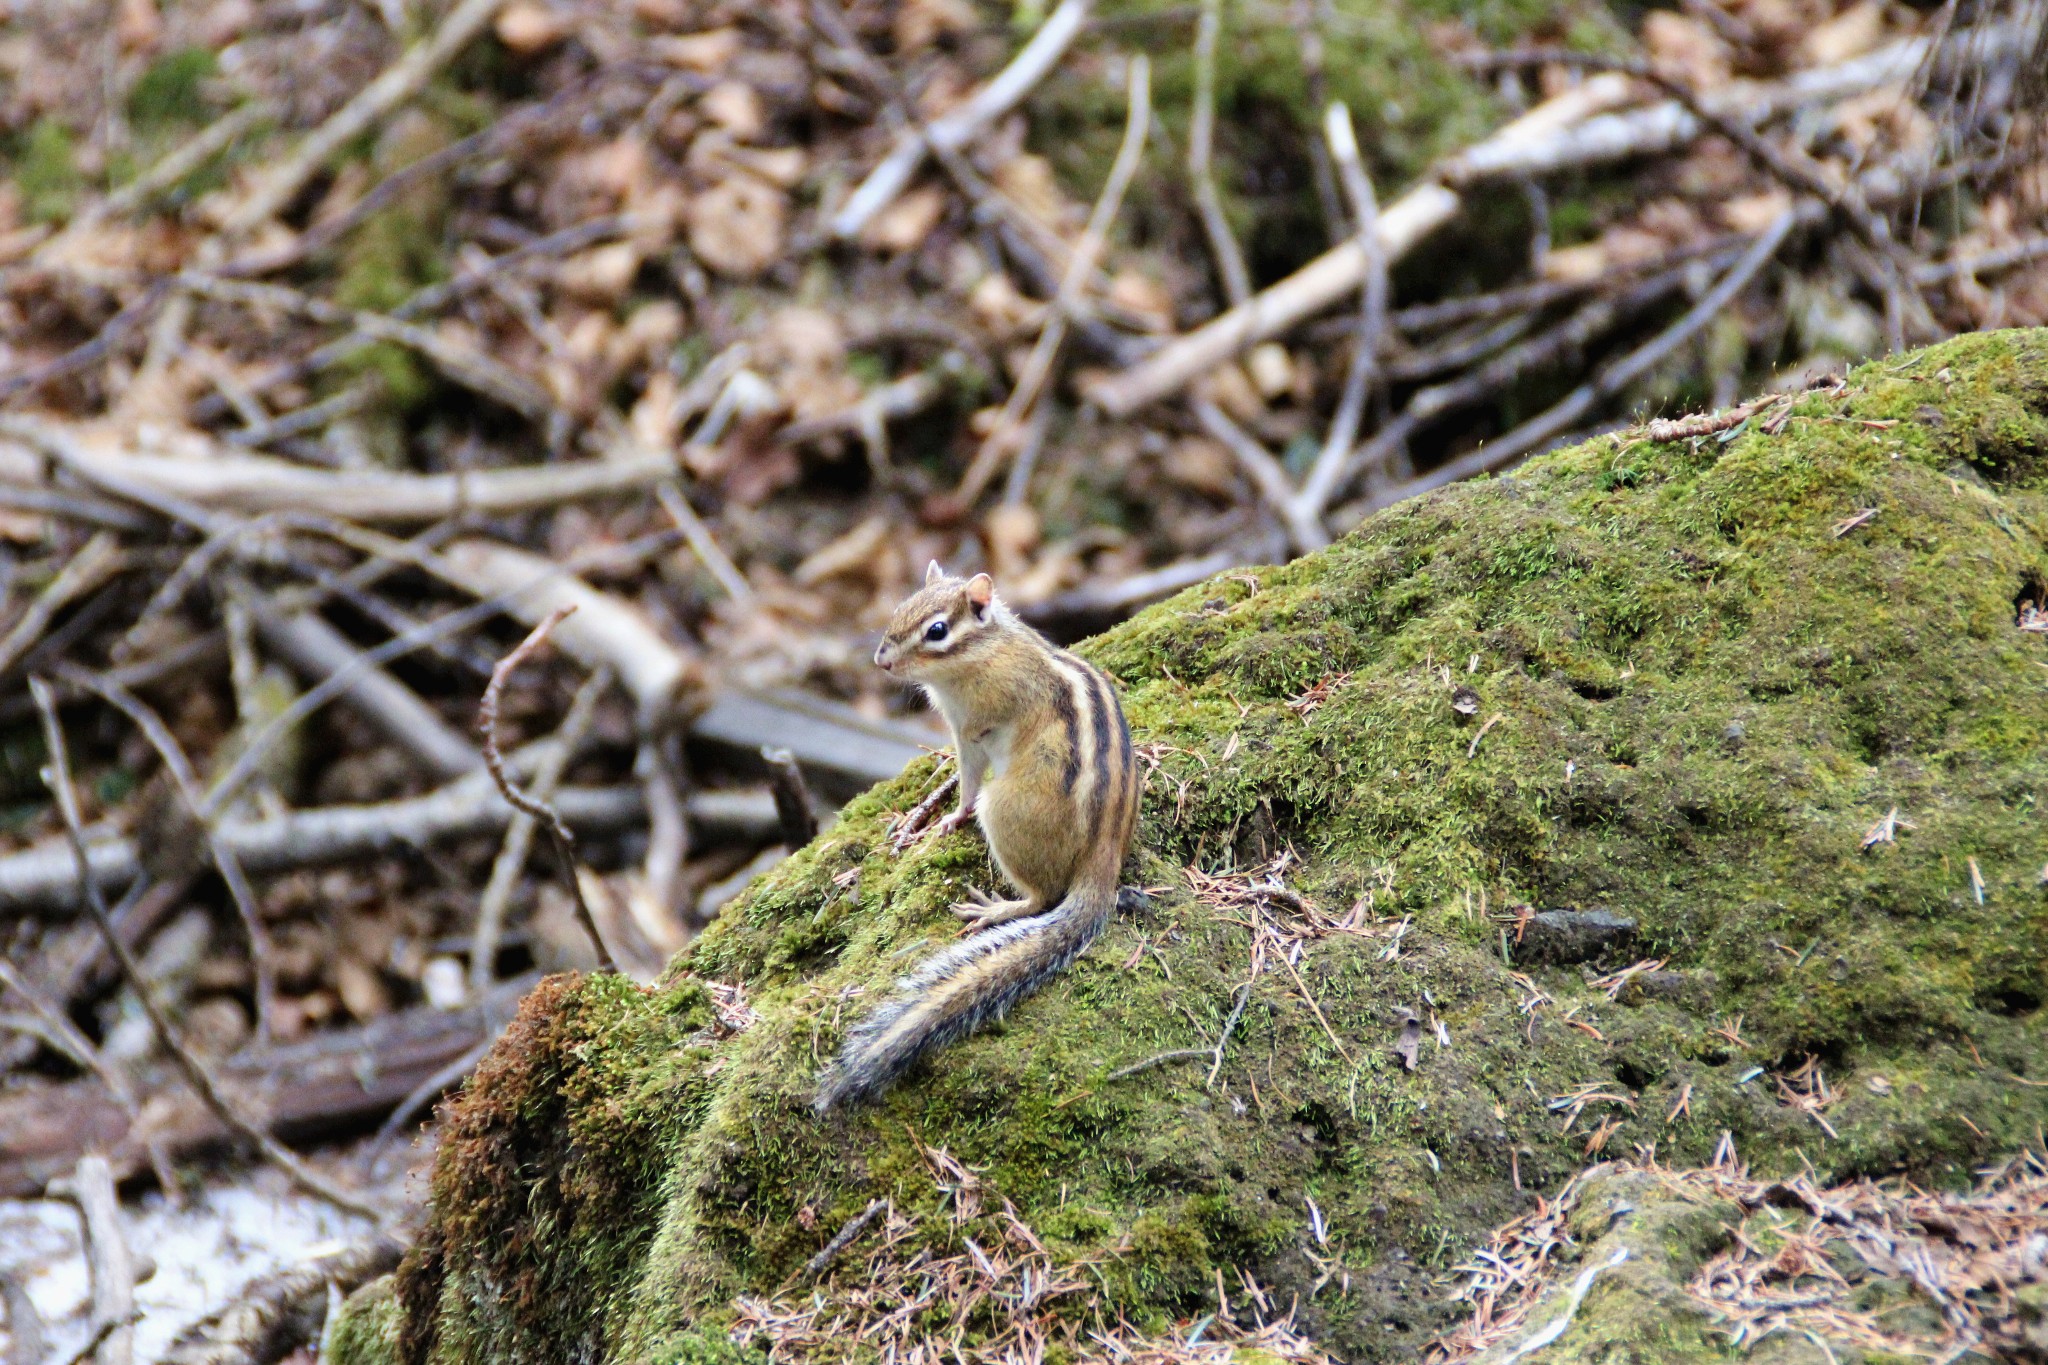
(1046,765)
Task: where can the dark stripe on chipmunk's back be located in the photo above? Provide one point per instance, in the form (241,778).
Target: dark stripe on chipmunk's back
(1126,761)
(1108,765)
(1064,706)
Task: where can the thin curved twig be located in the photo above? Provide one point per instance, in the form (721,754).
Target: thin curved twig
(559,837)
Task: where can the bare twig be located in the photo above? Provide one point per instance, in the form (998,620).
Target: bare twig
(174,166)
(96,561)
(58,777)
(187,782)
(997,445)
(792,797)
(320,651)
(1304,528)
(1609,381)
(1244,995)
(111,1263)
(1230,268)
(703,544)
(471,368)
(1335,455)
(964,124)
(559,837)
(511,860)
(843,1239)
(67,1038)
(1707,424)
(398,83)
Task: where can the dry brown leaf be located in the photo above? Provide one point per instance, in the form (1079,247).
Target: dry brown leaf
(1001,309)
(1576,264)
(1143,297)
(601,275)
(1011,531)
(652,420)
(919,23)
(1202,465)
(782,166)
(1889,115)
(1851,33)
(706,52)
(736,107)
(1755,212)
(530,26)
(802,351)
(1678,43)
(853,553)
(1229,388)
(1270,369)
(137,25)
(736,226)
(905,224)
(361,989)
(1028,182)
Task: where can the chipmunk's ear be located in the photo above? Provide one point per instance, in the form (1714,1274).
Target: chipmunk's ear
(981,590)
(933,573)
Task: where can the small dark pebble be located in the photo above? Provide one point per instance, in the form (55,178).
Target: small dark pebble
(1563,937)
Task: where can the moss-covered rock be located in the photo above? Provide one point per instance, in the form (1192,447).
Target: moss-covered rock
(1709,677)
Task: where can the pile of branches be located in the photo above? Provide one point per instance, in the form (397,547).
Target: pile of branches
(341,344)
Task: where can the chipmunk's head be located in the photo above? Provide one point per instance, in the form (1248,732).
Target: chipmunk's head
(942,627)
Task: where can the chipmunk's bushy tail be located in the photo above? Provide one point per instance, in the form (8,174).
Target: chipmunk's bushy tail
(956,991)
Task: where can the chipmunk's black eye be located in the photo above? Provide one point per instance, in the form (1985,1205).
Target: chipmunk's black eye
(935,632)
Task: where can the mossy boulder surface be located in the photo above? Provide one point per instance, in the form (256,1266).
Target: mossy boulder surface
(1708,675)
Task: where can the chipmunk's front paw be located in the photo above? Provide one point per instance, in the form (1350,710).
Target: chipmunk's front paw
(941,828)
(986,912)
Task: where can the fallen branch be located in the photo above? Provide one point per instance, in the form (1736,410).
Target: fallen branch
(1308,291)
(65,1037)
(108,1258)
(335,1082)
(231,873)
(1332,275)
(961,126)
(559,838)
(605,630)
(195,1072)
(207,476)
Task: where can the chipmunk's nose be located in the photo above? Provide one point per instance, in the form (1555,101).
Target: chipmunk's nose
(885,658)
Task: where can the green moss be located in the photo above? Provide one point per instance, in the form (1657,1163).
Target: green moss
(367,1331)
(170,91)
(1706,699)
(46,171)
